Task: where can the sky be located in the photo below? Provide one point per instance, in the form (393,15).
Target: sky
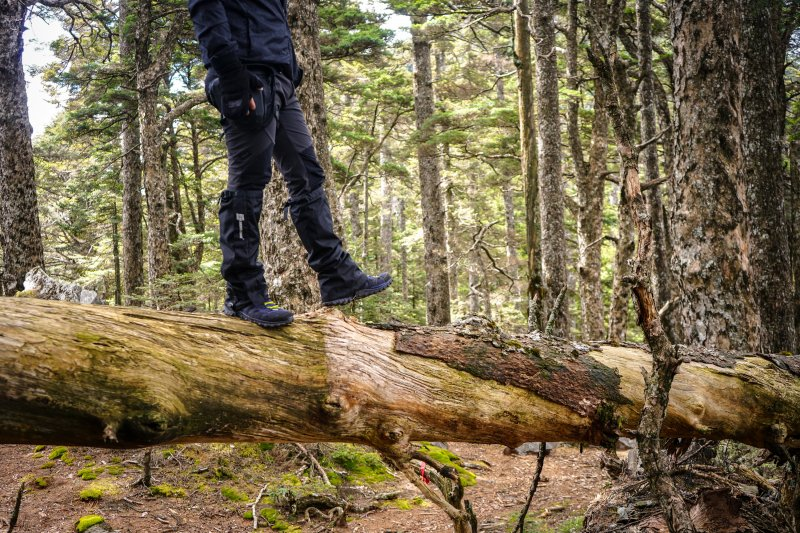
(43,108)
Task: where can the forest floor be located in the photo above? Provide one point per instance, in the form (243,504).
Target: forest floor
(207,488)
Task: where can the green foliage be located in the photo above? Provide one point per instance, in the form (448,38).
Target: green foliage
(85,522)
(276,522)
(88,473)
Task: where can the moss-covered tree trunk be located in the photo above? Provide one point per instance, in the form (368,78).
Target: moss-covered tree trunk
(130,377)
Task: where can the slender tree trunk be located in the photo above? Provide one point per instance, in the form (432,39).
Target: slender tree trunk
(20,233)
(529,157)
(387,218)
(401,227)
(199,220)
(512,260)
(626,246)
(794,238)
(589,181)
(453,248)
(115,251)
(662,278)
(551,186)
(712,268)
(131,168)
(762,171)
(437,287)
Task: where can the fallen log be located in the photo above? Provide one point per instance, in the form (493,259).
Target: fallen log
(130,377)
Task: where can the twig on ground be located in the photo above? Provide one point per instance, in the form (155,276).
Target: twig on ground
(315,464)
(15,513)
(537,475)
(255,502)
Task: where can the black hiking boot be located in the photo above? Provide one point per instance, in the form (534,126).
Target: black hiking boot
(370,285)
(267,315)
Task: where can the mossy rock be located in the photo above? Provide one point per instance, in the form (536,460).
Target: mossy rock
(167,491)
(448,458)
(232,494)
(362,467)
(85,522)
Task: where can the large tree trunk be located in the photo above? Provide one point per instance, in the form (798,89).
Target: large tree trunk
(437,288)
(794,221)
(20,234)
(551,187)
(131,170)
(123,377)
(763,55)
(711,263)
(529,158)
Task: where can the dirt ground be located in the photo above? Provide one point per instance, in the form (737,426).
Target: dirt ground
(52,504)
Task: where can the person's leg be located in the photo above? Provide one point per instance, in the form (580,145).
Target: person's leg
(340,279)
(249,171)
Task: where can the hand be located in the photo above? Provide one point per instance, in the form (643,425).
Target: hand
(237,90)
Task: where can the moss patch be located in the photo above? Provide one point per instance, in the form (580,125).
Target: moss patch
(48,464)
(405,504)
(362,467)
(57,452)
(276,522)
(88,474)
(39,448)
(167,491)
(448,458)
(230,493)
(85,522)
(91,494)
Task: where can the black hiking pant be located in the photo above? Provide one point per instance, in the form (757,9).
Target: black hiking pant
(278,131)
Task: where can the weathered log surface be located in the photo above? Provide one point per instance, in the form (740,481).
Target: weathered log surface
(125,377)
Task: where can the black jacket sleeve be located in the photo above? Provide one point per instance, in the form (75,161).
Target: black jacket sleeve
(213,31)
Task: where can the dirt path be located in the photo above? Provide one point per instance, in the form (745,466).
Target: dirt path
(571,481)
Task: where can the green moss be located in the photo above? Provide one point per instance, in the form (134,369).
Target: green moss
(67,459)
(230,493)
(404,504)
(85,522)
(448,458)
(169,452)
(30,293)
(276,522)
(57,452)
(290,480)
(116,460)
(39,448)
(42,482)
(362,467)
(88,474)
(48,464)
(248,515)
(38,455)
(91,494)
(334,478)
(88,338)
(167,491)
(571,525)
(115,470)
(221,472)
(265,446)
(87,457)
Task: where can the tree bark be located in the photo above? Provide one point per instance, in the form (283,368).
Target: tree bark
(437,288)
(662,279)
(131,169)
(711,263)
(20,233)
(763,55)
(551,187)
(590,183)
(794,221)
(529,159)
(387,215)
(124,377)
(618,313)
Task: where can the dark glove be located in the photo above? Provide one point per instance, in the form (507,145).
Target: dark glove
(237,84)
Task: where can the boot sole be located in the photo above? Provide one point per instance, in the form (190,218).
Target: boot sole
(263,324)
(363,293)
